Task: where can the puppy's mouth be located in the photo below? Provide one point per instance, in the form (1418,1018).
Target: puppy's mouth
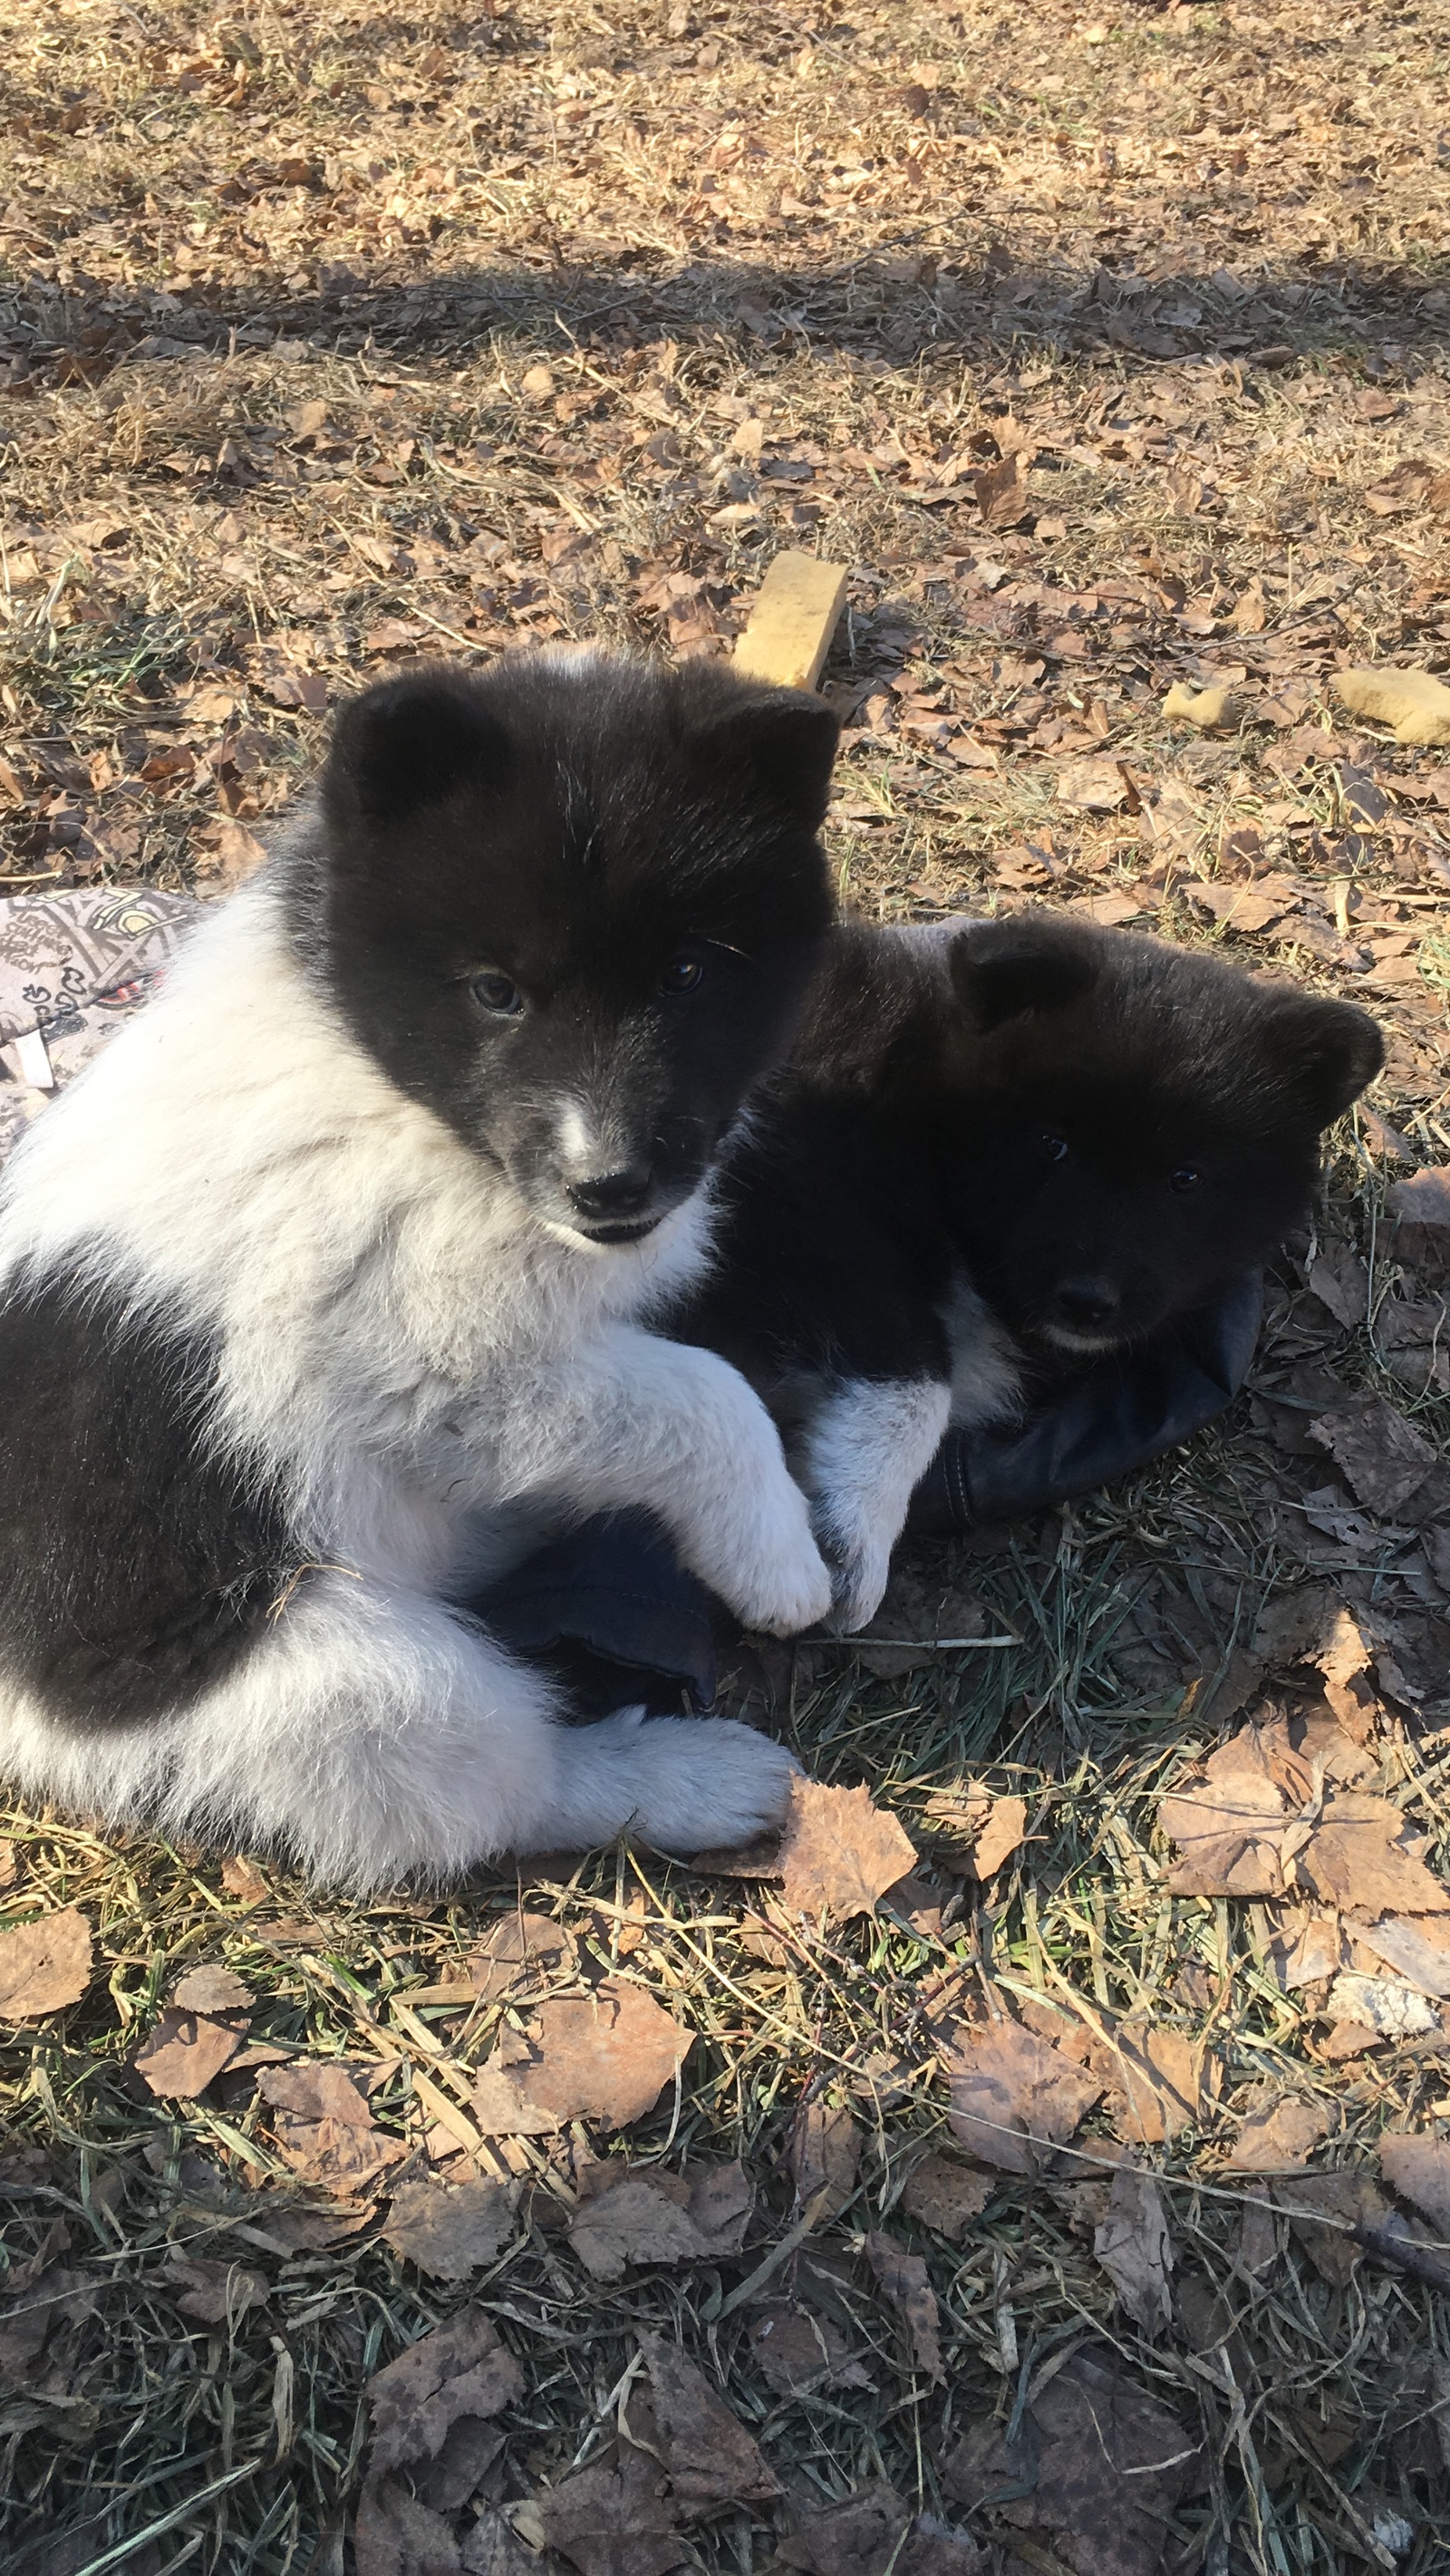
(636,1231)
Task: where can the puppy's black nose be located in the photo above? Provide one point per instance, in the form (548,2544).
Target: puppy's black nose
(1086,1301)
(612,1195)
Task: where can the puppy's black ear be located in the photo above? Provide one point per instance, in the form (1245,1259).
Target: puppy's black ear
(1005,968)
(1325,1051)
(411,742)
(781,742)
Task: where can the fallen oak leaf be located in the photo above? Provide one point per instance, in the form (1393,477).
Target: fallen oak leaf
(45,1965)
(522,1950)
(1101,2465)
(1228,1826)
(185,2052)
(946,2196)
(1418,2168)
(323,2125)
(395,2534)
(797,2351)
(626,2219)
(1278,2137)
(1133,2245)
(710,2457)
(216,2293)
(449,2230)
(906,2283)
(462,2371)
(212,1990)
(825,2156)
(1360,1857)
(1001,491)
(1419,1950)
(615,2522)
(1382,1457)
(605,2056)
(838,1853)
(1014,2097)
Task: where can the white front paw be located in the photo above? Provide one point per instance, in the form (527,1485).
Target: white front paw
(709,1782)
(861,1578)
(775,1578)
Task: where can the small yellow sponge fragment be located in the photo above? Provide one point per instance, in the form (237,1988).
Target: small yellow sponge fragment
(1209,709)
(1413,703)
(792,622)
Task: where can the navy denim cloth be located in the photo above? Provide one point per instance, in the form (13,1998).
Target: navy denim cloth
(614,1614)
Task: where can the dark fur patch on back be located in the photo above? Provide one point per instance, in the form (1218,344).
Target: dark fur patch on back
(136,1560)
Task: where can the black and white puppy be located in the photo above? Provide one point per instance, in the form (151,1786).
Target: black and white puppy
(998,1151)
(322,1292)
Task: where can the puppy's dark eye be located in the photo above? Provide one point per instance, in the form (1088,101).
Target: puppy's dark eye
(1186,1178)
(498,994)
(681,975)
(1054,1148)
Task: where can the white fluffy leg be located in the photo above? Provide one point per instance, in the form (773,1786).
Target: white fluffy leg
(866,1451)
(373,1736)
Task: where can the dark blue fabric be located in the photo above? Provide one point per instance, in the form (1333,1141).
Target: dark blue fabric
(615,1614)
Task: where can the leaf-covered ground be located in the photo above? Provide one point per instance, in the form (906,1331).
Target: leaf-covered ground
(1108,354)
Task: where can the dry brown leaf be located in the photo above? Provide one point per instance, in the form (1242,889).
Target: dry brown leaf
(1101,2466)
(1306,1950)
(1414,704)
(1210,710)
(795,2350)
(9,1867)
(44,1966)
(625,2219)
(1384,1460)
(1420,1207)
(1001,1833)
(1418,2168)
(872,2534)
(605,2056)
(1313,2203)
(1278,2138)
(522,1950)
(861,2537)
(1096,786)
(185,2052)
(615,2522)
(1155,2075)
(394,2534)
(212,1990)
(1228,1826)
(838,1852)
(905,2281)
(1015,2097)
(449,2230)
(493,2548)
(712,2460)
(460,2372)
(1002,493)
(1360,1858)
(214,2293)
(946,2195)
(323,2126)
(1419,1949)
(825,2156)
(1133,2245)
(242,1879)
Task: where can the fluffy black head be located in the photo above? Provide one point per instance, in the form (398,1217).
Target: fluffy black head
(1137,1122)
(573,905)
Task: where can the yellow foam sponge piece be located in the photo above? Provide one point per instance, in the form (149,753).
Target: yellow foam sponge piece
(792,622)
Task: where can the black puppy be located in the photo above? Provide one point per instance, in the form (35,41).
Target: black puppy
(996,1152)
